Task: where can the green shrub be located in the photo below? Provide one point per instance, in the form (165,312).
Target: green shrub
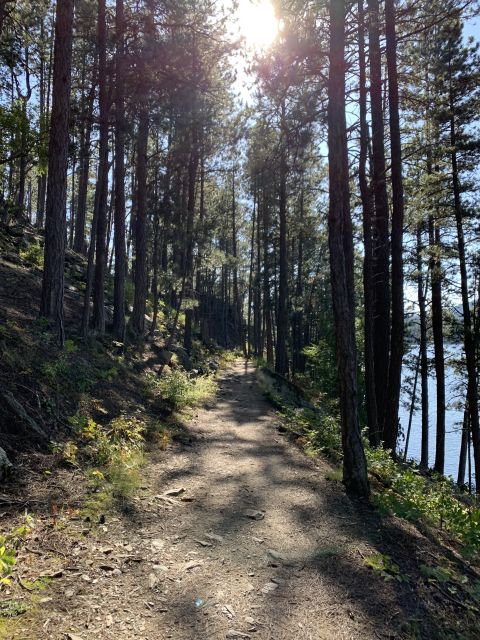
(320,432)
(180,391)
(413,496)
(33,255)
(69,373)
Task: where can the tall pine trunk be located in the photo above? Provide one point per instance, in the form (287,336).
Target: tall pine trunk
(468,335)
(368,213)
(341,258)
(281,357)
(98,317)
(51,305)
(119,227)
(421,289)
(381,336)
(437,326)
(79,244)
(140,239)
(398,319)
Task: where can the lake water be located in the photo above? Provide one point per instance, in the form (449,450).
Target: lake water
(455,393)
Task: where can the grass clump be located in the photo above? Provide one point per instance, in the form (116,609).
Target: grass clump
(112,454)
(180,391)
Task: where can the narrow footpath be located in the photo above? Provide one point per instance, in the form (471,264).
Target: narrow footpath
(238,534)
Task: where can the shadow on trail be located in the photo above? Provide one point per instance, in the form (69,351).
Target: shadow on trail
(332,576)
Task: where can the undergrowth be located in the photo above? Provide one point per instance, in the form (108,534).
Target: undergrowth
(9,545)
(111,456)
(404,490)
(180,391)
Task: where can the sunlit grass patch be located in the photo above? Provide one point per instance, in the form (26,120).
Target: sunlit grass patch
(179,391)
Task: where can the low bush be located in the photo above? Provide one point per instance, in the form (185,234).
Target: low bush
(33,254)
(112,453)
(414,496)
(180,391)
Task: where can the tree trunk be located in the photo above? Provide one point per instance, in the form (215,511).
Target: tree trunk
(437,326)
(462,462)
(469,340)
(423,348)
(51,305)
(267,318)
(79,244)
(341,258)
(119,227)
(250,283)
(398,313)
(281,356)
(381,336)
(140,239)
(366,195)
(102,184)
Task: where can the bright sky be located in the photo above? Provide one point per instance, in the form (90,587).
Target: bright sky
(257,23)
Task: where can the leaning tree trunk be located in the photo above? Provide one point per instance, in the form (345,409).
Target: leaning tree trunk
(341,258)
(398,320)
(51,305)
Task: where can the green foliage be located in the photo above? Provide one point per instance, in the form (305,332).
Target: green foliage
(322,367)
(112,454)
(12,609)
(33,255)
(69,373)
(380,463)
(384,566)
(9,544)
(413,496)
(320,432)
(180,391)
(436,574)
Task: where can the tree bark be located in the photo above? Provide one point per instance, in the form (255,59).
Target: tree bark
(341,258)
(423,349)
(398,313)
(380,237)
(366,195)
(468,336)
(140,239)
(267,318)
(437,326)
(51,305)
(98,319)
(79,244)
(281,356)
(119,228)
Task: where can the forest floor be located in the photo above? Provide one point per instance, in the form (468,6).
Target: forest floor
(235,533)
(232,530)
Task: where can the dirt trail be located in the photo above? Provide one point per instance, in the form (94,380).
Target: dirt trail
(199,565)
